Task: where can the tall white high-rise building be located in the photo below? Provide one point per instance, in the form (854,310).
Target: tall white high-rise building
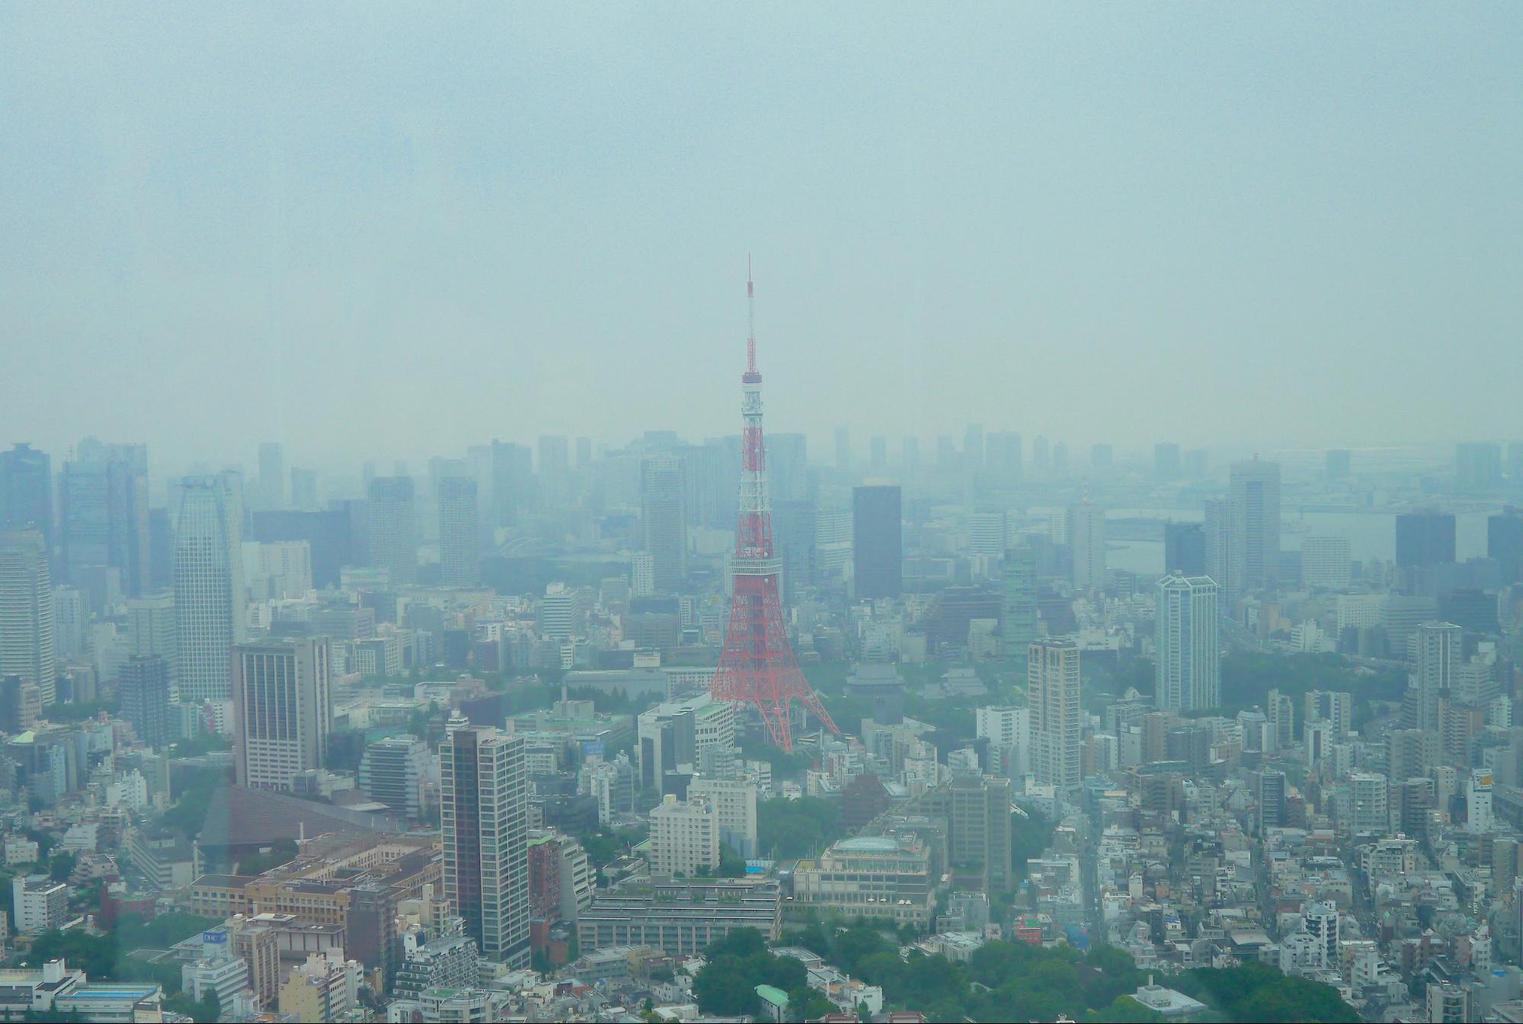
(1057,723)
(1086,539)
(1438,652)
(458,532)
(26,612)
(282,710)
(484,818)
(1188,673)
(208,588)
(1371,802)
(1254,536)
(1008,731)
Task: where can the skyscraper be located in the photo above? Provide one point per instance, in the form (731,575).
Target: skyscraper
(1438,653)
(663,519)
(1188,673)
(1052,688)
(393,525)
(1165,461)
(103,497)
(512,473)
(1086,540)
(26,491)
(554,471)
(1019,608)
(144,692)
(877,542)
(1504,542)
(26,611)
(1217,527)
(843,449)
(282,710)
(1184,548)
(1424,538)
(1477,467)
(208,588)
(272,475)
(151,628)
(1254,542)
(484,815)
(458,532)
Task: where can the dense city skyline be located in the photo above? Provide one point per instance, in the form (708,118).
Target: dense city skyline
(1190,225)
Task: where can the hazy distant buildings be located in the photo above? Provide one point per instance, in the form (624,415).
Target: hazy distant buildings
(1165,461)
(484,814)
(1338,464)
(103,505)
(1187,673)
(26,612)
(282,711)
(393,527)
(459,532)
(1477,467)
(1326,563)
(1184,548)
(1217,529)
(663,519)
(208,588)
(1086,541)
(554,472)
(1504,543)
(512,474)
(1019,624)
(272,475)
(1254,530)
(1052,690)
(1424,538)
(877,542)
(26,491)
(151,628)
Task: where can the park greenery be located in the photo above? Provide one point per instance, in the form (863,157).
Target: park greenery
(107,957)
(726,986)
(1016,981)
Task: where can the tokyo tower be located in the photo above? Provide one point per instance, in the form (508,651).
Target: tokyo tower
(757,666)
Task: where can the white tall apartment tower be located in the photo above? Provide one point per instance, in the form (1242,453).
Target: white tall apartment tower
(1052,689)
(1438,652)
(1371,799)
(26,612)
(208,588)
(684,836)
(1008,731)
(484,818)
(1188,676)
(1086,539)
(282,711)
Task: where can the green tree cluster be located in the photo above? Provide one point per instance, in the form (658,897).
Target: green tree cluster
(741,961)
(1257,992)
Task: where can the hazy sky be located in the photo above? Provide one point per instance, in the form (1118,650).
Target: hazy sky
(374,229)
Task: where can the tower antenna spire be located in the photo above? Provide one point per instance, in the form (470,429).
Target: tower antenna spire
(750,319)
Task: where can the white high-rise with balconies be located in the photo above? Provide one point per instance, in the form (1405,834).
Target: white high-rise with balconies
(1188,673)
(1057,722)
(26,612)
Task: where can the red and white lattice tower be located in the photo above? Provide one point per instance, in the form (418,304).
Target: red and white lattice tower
(758,667)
